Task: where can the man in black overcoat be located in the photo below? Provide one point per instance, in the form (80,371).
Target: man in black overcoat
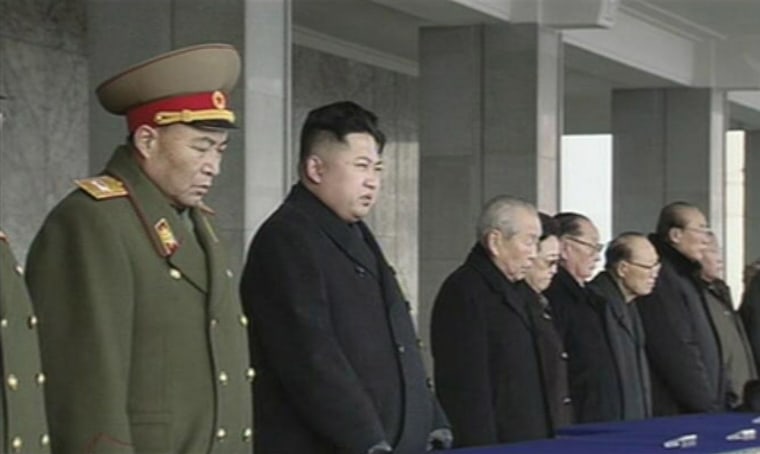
(683,348)
(579,317)
(337,358)
(487,363)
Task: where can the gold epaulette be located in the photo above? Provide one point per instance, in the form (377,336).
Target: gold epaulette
(102,187)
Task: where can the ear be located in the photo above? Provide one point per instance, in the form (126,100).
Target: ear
(563,245)
(674,235)
(493,238)
(621,269)
(314,169)
(145,140)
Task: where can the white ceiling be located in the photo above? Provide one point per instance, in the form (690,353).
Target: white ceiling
(371,24)
(382,26)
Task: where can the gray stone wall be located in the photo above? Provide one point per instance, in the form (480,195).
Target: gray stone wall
(43,141)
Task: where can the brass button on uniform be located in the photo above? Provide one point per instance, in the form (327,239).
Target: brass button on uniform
(564,355)
(16,444)
(213,322)
(175,274)
(19,270)
(420,344)
(243,320)
(221,434)
(12,382)
(44,439)
(567,400)
(247,434)
(400,348)
(223,378)
(4,323)
(250,373)
(40,378)
(229,273)
(32,321)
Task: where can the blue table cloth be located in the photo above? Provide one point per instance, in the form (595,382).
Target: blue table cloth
(703,433)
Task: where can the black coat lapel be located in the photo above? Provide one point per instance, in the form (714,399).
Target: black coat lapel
(335,228)
(511,297)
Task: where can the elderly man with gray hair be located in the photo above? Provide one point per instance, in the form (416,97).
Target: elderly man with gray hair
(630,271)
(487,366)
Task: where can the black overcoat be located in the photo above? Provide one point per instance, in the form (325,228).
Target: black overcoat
(338,367)
(594,380)
(684,352)
(487,365)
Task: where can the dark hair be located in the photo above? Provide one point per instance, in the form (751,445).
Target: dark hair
(569,223)
(620,249)
(334,122)
(671,216)
(549,226)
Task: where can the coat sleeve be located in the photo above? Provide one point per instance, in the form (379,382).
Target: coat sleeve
(284,294)
(673,350)
(750,314)
(79,277)
(459,344)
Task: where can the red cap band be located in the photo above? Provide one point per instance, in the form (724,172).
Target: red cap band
(181,109)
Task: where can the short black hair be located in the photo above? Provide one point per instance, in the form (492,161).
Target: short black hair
(620,249)
(672,215)
(335,121)
(549,226)
(569,223)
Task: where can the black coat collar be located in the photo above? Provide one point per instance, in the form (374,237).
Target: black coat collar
(682,264)
(364,251)
(479,260)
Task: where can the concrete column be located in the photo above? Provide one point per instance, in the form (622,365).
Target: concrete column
(668,145)
(269,164)
(490,113)
(122,32)
(752,195)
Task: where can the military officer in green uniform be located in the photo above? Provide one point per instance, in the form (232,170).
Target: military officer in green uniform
(143,335)
(22,422)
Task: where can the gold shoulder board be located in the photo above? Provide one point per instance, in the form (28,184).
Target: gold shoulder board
(102,187)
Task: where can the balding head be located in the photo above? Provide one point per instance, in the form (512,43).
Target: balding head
(634,263)
(683,226)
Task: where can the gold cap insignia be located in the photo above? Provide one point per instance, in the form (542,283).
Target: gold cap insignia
(102,187)
(219,100)
(166,236)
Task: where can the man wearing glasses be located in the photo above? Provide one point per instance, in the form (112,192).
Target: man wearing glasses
(579,316)
(683,349)
(630,271)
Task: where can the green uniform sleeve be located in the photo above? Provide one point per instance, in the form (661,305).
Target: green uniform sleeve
(80,278)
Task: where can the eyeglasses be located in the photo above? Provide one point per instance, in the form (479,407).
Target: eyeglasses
(596,247)
(548,262)
(652,267)
(702,230)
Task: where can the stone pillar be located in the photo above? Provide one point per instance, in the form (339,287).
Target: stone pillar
(269,163)
(490,112)
(752,195)
(668,145)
